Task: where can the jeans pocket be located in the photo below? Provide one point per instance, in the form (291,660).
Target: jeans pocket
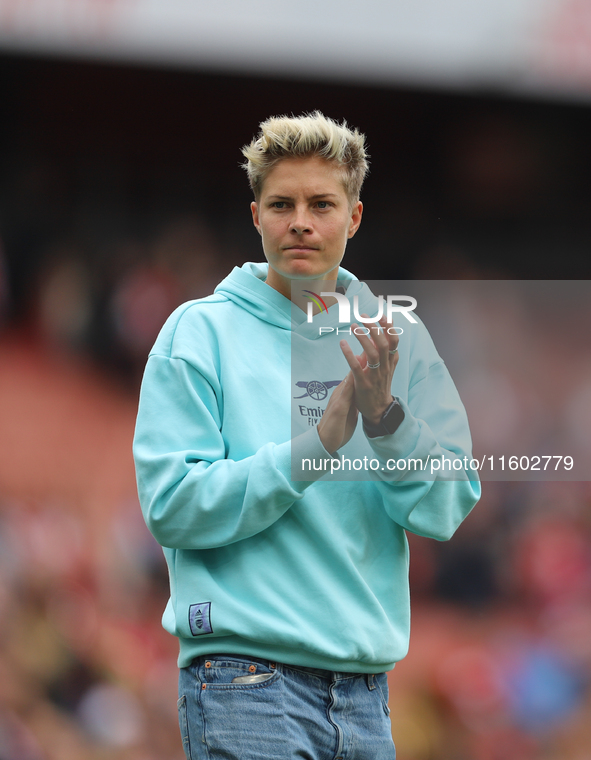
(184,726)
(236,672)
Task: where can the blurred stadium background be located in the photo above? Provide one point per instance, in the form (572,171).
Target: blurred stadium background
(121,196)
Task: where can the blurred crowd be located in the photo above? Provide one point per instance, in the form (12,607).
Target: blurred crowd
(112,311)
(500,656)
(86,671)
(500,660)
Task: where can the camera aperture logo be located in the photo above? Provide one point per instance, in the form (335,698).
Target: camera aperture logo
(318,300)
(388,305)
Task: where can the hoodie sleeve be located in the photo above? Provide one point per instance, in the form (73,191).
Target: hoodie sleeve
(424,478)
(192,496)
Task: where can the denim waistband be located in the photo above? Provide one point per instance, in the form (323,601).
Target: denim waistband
(328,675)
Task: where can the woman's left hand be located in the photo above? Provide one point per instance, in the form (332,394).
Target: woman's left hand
(373,370)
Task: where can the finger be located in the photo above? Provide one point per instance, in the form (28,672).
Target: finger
(378,334)
(369,347)
(381,353)
(352,360)
(356,363)
(381,340)
(382,337)
(393,353)
(392,337)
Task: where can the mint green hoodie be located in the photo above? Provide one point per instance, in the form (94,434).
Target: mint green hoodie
(306,572)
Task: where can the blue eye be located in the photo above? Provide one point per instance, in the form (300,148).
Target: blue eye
(322,204)
(279,204)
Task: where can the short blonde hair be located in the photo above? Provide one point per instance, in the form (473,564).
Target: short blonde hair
(304,136)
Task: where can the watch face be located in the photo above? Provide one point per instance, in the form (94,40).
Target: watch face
(393,417)
(389,423)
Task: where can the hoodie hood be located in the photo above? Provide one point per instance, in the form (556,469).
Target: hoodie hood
(246,286)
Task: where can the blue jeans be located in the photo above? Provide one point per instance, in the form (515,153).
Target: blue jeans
(292,712)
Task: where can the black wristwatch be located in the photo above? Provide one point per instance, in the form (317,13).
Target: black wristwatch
(389,423)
